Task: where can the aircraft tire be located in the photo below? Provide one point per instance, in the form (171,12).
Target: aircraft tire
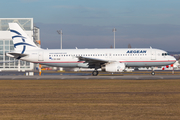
(153,73)
(95,73)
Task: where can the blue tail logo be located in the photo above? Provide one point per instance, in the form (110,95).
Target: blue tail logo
(20,43)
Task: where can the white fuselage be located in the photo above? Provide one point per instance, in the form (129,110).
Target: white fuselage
(110,60)
(141,57)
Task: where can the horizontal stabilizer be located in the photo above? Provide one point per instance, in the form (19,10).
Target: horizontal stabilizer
(16,55)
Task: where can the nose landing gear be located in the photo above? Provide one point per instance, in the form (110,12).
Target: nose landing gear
(152,72)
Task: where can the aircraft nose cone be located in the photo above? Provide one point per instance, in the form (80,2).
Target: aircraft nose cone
(172,59)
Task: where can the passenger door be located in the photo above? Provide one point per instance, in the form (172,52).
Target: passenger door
(41,56)
(153,54)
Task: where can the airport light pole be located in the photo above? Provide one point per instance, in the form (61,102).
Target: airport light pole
(60,33)
(114,30)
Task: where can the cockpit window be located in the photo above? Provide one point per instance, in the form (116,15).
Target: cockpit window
(165,54)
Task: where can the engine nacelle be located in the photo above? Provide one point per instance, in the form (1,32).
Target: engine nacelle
(114,67)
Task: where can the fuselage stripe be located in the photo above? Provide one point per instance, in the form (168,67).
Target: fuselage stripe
(119,61)
(149,61)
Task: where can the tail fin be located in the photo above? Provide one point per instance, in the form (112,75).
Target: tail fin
(21,40)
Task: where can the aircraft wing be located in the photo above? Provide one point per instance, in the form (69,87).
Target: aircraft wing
(92,60)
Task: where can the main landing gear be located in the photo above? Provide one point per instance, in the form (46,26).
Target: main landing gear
(95,73)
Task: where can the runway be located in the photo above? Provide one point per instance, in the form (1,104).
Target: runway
(74,77)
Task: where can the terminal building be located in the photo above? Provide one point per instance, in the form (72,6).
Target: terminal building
(6,43)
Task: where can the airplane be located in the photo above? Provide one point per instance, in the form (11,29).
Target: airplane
(109,60)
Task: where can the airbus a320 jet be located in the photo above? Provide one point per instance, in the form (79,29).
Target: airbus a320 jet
(109,60)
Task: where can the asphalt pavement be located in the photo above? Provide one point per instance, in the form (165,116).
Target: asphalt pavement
(75,77)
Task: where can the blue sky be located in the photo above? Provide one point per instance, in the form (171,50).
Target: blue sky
(142,23)
(93,12)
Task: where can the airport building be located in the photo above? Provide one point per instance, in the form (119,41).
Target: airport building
(6,43)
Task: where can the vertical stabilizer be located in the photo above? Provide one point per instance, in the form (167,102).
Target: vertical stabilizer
(21,40)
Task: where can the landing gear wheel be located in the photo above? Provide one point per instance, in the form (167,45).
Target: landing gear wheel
(152,73)
(95,73)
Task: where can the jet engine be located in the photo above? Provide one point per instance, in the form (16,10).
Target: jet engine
(114,67)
